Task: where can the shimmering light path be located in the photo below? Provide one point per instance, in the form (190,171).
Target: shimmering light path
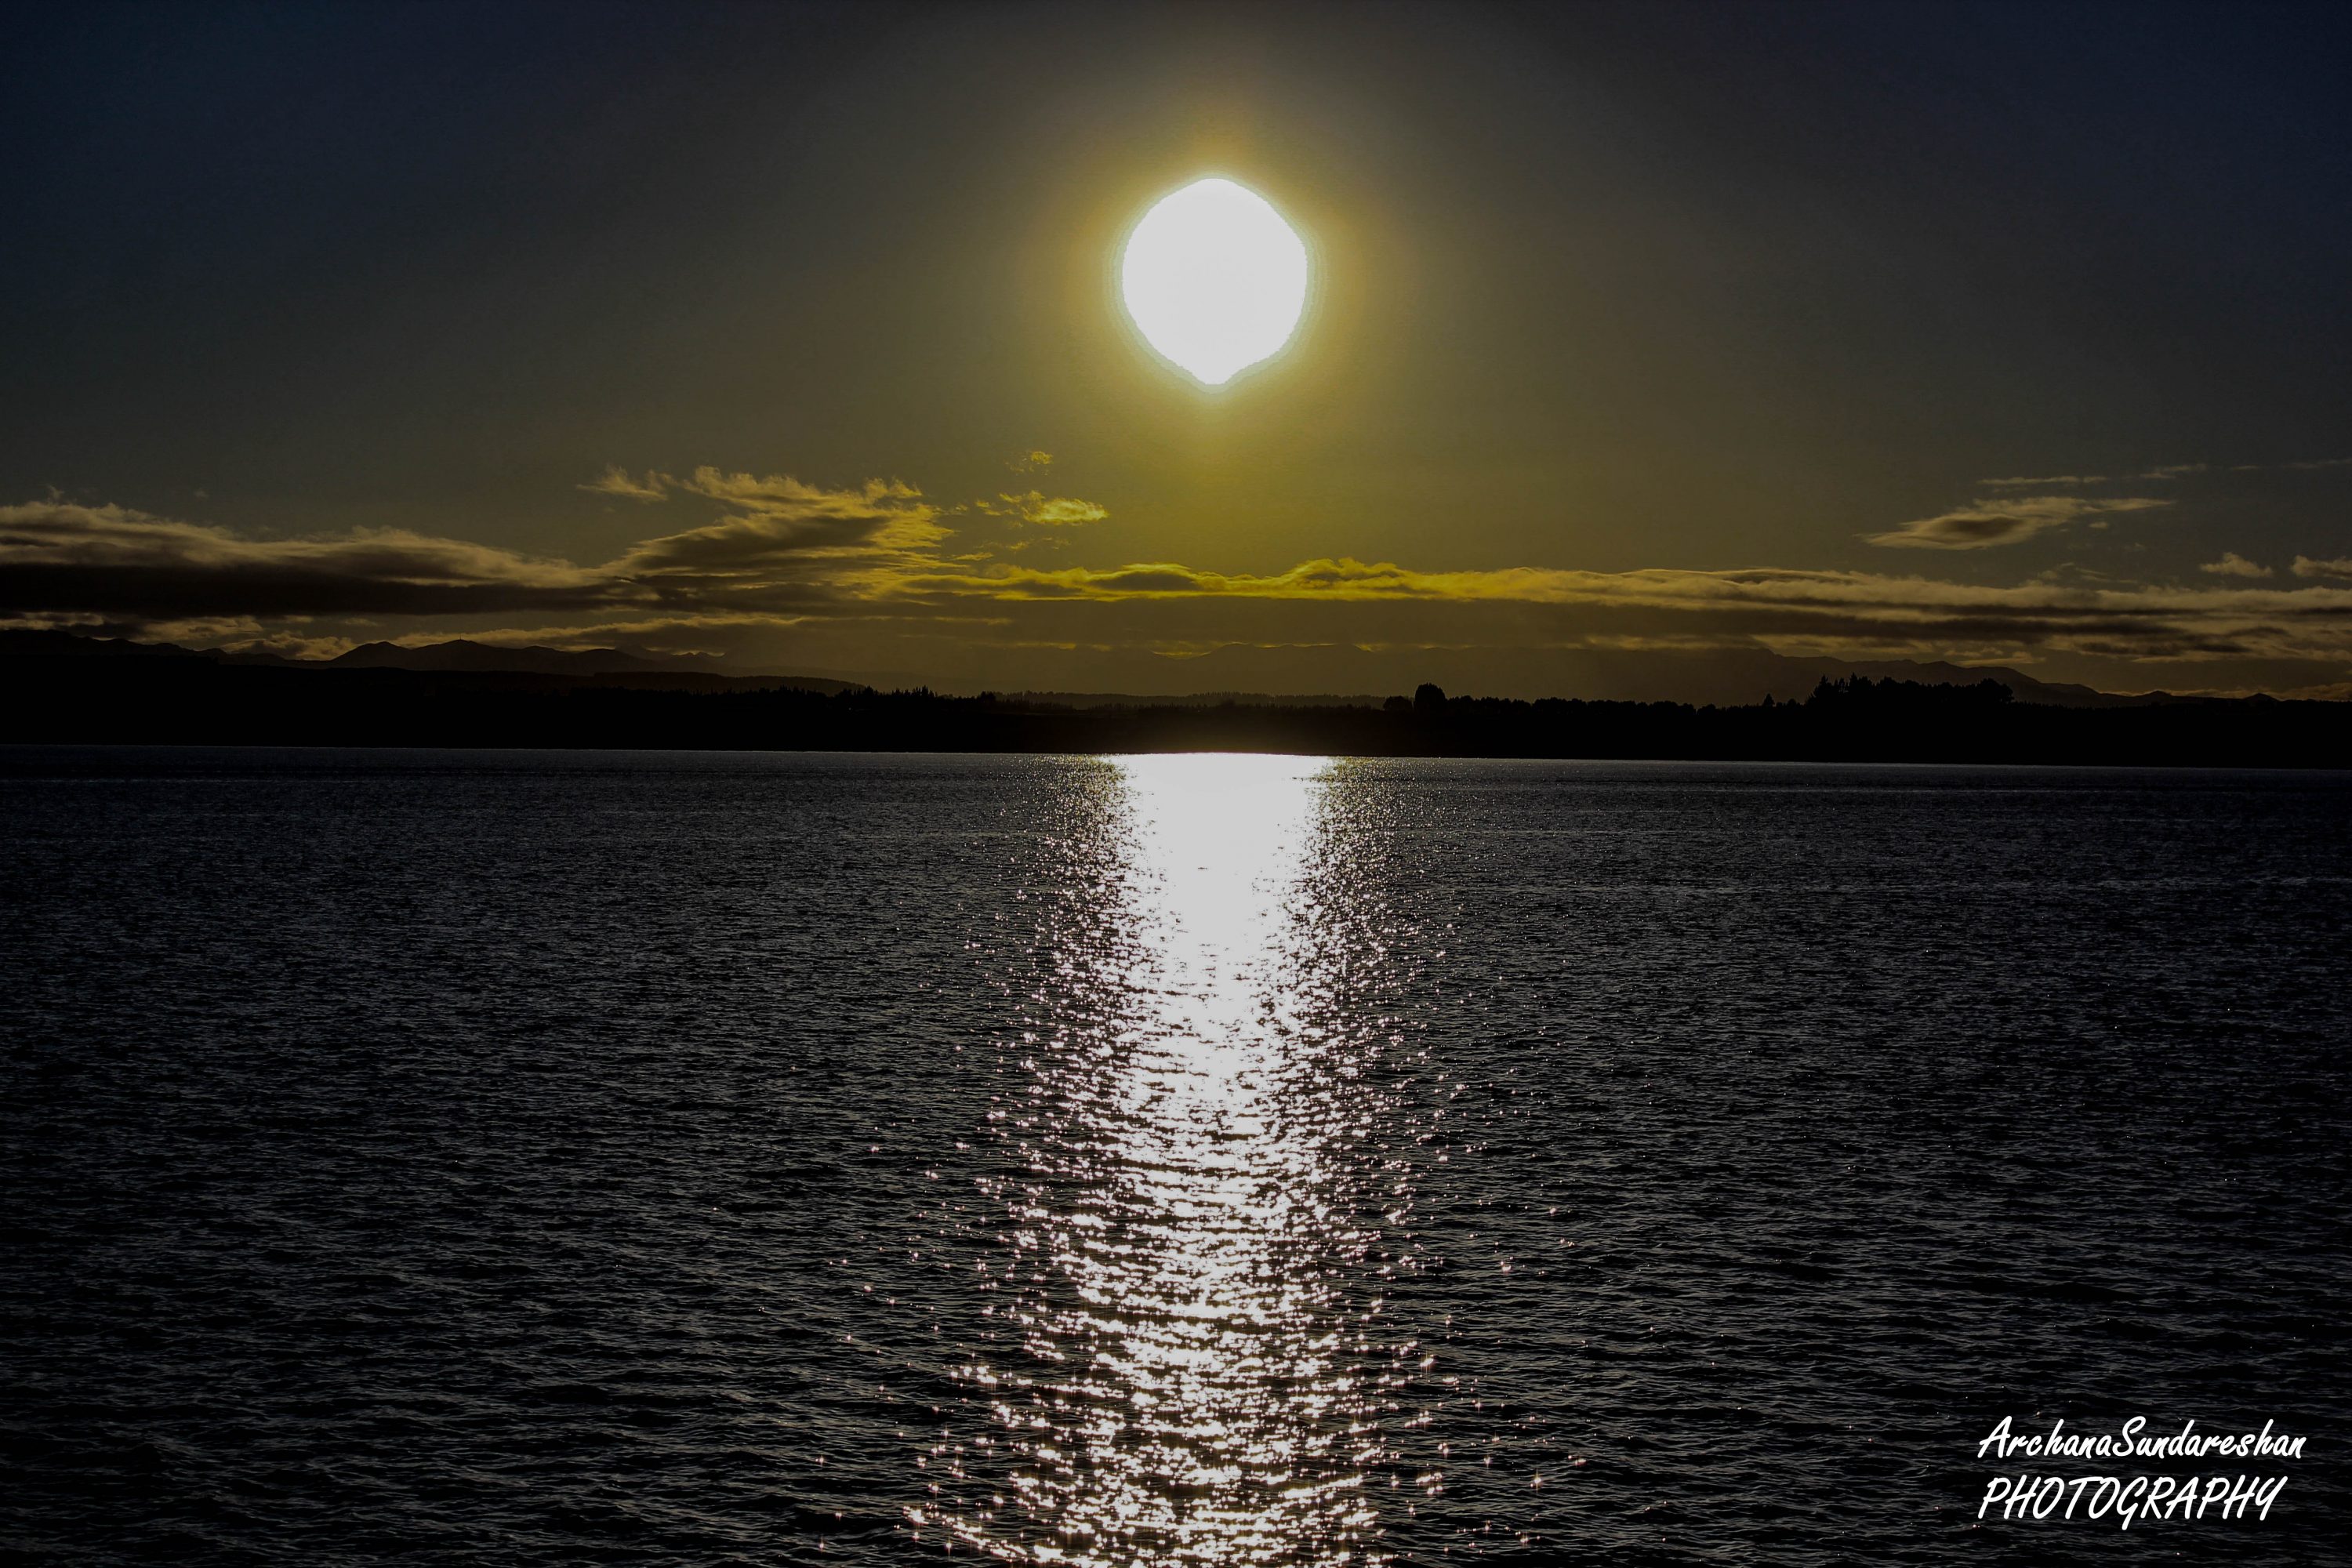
(1192,1387)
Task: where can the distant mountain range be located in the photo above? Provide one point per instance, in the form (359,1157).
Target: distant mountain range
(57,689)
(2055,694)
(465,654)
(1747,677)
(460,656)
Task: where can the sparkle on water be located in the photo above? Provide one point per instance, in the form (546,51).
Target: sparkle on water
(1207,1399)
(1214,279)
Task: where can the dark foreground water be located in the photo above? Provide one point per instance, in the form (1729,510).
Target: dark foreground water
(1181,1159)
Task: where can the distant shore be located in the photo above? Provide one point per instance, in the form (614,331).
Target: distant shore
(85,700)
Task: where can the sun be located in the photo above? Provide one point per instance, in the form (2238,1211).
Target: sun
(1214,279)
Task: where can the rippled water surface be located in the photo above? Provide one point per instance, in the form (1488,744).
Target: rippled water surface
(1190,1160)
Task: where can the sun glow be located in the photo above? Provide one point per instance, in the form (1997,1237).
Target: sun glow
(1214,279)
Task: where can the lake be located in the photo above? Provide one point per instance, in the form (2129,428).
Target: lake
(708,1158)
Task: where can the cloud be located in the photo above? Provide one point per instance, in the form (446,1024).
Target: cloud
(2233,564)
(783,493)
(60,556)
(774,522)
(1052,511)
(783,554)
(1030,462)
(782,545)
(767,495)
(1062,511)
(2010,519)
(1787,611)
(615,481)
(2162,471)
(1340,601)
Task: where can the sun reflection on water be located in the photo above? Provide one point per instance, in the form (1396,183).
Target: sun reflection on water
(1190,1387)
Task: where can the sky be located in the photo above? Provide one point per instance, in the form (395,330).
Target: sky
(1648,344)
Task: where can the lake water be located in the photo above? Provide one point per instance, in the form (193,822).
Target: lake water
(1188,1160)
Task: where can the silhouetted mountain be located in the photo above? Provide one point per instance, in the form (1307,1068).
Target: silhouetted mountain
(1726,680)
(51,643)
(592,666)
(2057,694)
(463,654)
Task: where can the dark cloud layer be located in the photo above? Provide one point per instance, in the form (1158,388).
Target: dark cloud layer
(783,553)
(56,556)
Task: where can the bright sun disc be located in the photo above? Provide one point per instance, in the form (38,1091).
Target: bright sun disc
(1214,278)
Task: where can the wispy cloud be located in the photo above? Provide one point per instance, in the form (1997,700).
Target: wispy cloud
(1030,462)
(2160,473)
(783,493)
(2041,481)
(767,495)
(2009,520)
(1035,506)
(2163,472)
(784,552)
(616,480)
(1848,614)
(59,555)
(2233,564)
(779,544)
